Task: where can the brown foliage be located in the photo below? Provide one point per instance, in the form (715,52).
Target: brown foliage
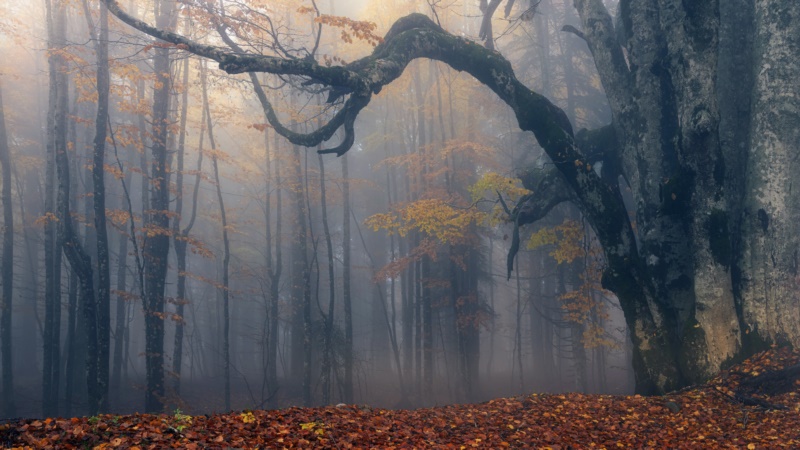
(708,416)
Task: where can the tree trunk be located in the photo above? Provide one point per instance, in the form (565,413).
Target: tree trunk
(103,301)
(347,297)
(6,307)
(769,287)
(180,237)
(52,244)
(301,289)
(226,250)
(156,242)
(327,356)
(121,319)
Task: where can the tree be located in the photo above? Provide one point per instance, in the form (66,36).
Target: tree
(52,245)
(708,273)
(156,243)
(7,269)
(180,236)
(226,249)
(103,301)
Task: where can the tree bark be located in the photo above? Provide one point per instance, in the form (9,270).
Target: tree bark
(52,244)
(770,235)
(7,278)
(181,236)
(156,242)
(103,301)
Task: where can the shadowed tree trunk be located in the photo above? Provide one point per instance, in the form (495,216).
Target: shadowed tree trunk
(103,301)
(156,228)
(7,277)
(52,245)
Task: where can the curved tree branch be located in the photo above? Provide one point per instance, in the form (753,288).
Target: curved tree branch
(573,30)
(416,36)
(345,117)
(549,190)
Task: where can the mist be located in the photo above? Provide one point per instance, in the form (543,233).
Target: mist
(289,277)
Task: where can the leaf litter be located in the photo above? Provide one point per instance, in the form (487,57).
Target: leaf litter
(754,405)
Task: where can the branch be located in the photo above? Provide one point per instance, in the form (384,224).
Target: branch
(485,32)
(599,34)
(573,30)
(416,36)
(345,117)
(549,190)
(235,63)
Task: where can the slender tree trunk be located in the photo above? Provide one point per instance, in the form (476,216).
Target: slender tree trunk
(120,322)
(156,243)
(7,278)
(424,281)
(80,262)
(301,278)
(346,289)
(274,269)
(276,276)
(179,237)
(327,356)
(518,335)
(52,244)
(74,338)
(103,302)
(226,255)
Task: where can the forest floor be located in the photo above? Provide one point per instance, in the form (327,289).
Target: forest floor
(753,405)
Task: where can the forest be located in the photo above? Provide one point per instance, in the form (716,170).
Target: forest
(214,206)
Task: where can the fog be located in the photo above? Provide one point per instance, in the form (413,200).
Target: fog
(292,278)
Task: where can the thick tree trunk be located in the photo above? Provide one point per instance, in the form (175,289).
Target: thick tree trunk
(680,73)
(770,233)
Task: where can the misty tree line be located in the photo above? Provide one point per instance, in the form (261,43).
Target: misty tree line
(161,241)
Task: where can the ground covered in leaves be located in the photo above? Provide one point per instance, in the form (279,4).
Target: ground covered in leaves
(746,407)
